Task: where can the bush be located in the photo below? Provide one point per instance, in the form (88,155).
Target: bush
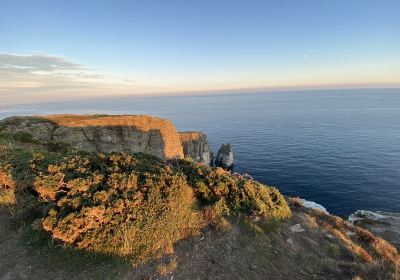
(131,205)
(237,193)
(7,186)
(120,210)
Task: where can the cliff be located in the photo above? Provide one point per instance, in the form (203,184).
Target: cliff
(195,146)
(103,133)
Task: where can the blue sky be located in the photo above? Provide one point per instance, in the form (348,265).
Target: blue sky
(131,47)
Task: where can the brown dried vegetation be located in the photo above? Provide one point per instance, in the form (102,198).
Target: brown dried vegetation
(295,201)
(372,250)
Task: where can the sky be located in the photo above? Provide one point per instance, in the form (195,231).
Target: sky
(53,50)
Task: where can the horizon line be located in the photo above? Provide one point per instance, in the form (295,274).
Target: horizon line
(194,93)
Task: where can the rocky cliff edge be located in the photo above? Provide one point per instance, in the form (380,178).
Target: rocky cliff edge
(113,133)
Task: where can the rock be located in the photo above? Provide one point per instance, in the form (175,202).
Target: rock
(313,205)
(290,241)
(225,157)
(296,228)
(330,236)
(103,133)
(195,146)
(360,215)
(383,224)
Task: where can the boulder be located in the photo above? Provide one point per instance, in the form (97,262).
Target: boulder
(225,157)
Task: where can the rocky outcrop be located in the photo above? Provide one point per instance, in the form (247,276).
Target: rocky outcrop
(313,205)
(225,157)
(102,133)
(195,146)
(384,224)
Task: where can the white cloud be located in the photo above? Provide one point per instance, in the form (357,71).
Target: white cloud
(39,65)
(26,78)
(36,62)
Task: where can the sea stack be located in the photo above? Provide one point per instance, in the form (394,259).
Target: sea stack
(225,157)
(195,146)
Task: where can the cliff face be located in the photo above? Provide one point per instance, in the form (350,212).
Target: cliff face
(195,146)
(94,133)
(125,133)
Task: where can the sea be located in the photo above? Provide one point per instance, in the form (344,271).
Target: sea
(339,148)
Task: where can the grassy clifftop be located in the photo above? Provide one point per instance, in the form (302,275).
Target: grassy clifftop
(99,214)
(102,133)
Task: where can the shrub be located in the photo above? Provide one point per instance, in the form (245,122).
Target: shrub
(135,206)
(238,194)
(122,211)
(7,186)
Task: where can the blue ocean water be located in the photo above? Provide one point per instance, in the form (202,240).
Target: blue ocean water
(339,148)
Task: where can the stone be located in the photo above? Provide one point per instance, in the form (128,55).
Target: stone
(296,228)
(225,157)
(195,146)
(313,205)
(330,236)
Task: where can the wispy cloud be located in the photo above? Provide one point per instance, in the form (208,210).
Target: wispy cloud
(33,63)
(26,78)
(32,75)
(43,64)
(42,77)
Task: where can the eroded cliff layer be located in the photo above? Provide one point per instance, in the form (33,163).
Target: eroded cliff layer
(102,133)
(195,146)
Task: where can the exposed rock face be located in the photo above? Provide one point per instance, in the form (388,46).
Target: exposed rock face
(225,157)
(313,205)
(384,224)
(195,146)
(128,133)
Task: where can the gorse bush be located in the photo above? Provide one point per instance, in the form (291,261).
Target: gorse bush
(235,194)
(131,205)
(105,204)
(7,186)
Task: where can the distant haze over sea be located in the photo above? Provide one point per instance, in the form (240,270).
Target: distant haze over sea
(339,148)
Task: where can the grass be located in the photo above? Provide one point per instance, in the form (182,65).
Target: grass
(168,268)
(295,201)
(375,253)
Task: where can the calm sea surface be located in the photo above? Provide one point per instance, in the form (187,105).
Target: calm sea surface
(340,148)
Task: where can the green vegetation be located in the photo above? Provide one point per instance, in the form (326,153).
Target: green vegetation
(101,203)
(134,206)
(94,212)
(235,194)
